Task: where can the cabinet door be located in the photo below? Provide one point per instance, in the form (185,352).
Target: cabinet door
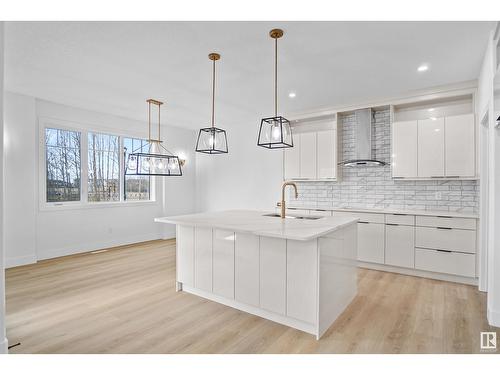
(460,146)
(308,155)
(302,277)
(292,159)
(400,245)
(431,148)
(223,263)
(246,264)
(203,258)
(371,242)
(404,149)
(185,254)
(273,274)
(327,154)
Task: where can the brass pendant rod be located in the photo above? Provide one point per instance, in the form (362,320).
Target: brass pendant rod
(276,77)
(159,111)
(213,94)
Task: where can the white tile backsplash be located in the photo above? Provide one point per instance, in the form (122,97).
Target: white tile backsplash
(373,187)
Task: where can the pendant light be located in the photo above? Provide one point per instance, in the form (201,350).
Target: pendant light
(275,132)
(212,140)
(153,159)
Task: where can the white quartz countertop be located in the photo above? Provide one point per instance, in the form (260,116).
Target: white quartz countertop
(389,211)
(255,223)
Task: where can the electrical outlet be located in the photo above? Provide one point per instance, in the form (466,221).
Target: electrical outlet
(438,195)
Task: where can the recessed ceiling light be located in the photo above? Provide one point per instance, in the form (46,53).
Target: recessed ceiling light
(423,68)
(292,95)
(433,118)
(431,109)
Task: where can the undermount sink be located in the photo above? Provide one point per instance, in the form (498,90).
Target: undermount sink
(295,217)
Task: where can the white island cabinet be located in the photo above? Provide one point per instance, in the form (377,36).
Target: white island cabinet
(297,272)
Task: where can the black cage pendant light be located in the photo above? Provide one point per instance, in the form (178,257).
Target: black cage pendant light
(275,132)
(153,159)
(212,140)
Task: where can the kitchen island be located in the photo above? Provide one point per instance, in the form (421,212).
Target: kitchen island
(299,271)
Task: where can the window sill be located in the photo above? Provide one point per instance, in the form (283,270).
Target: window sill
(86,206)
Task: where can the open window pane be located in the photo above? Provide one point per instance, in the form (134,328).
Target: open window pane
(103,167)
(63,165)
(137,188)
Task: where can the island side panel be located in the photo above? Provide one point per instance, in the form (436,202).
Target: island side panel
(337,274)
(273,274)
(184,239)
(246,264)
(223,263)
(203,258)
(302,276)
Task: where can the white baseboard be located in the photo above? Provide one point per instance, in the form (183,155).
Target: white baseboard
(4,346)
(493,318)
(92,246)
(20,261)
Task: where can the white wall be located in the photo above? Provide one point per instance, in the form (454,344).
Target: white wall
(490,218)
(3,339)
(248,177)
(35,233)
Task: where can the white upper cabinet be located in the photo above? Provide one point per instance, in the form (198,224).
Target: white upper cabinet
(314,155)
(459,146)
(308,155)
(327,154)
(434,138)
(404,148)
(292,159)
(431,147)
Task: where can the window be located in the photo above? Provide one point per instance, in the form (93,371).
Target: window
(136,188)
(103,167)
(87,168)
(63,165)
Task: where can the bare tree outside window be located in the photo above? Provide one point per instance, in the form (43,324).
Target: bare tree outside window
(137,188)
(63,168)
(103,167)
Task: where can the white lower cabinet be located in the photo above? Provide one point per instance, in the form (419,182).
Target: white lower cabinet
(400,245)
(461,240)
(371,242)
(185,254)
(273,274)
(246,264)
(302,276)
(446,262)
(203,258)
(223,263)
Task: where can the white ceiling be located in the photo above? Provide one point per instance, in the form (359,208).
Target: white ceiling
(114,67)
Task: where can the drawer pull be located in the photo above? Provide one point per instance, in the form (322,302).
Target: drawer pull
(392,224)
(444,251)
(437,176)
(443,228)
(453,176)
(363,222)
(400,214)
(445,217)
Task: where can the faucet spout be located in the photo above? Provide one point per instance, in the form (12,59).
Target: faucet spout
(285,184)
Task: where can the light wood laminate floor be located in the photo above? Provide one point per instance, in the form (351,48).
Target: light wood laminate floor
(124,301)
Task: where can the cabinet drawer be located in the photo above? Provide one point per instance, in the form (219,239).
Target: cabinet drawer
(446,222)
(445,262)
(446,239)
(362,216)
(400,219)
(320,213)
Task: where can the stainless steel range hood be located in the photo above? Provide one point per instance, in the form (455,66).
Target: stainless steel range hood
(363,149)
